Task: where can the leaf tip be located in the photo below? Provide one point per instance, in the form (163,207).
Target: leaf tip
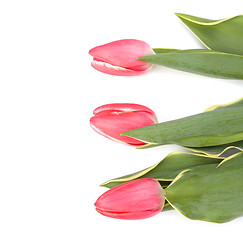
(179,14)
(103,184)
(126,133)
(141,58)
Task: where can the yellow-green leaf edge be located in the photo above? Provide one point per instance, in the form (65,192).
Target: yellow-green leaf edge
(170,157)
(205,22)
(203,150)
(181,175)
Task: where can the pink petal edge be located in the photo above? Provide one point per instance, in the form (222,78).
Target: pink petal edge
(123,107)
(115,70)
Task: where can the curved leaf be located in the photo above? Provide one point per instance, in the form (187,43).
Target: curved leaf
(167,169)
(224,35)
(221,126)
(225,149)
(220,150)
(167,207)
(201,61)
(211,192)
(164,50)
(234,104)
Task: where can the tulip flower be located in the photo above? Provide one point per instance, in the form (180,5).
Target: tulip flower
(111,120)
(136,199)
(120,57)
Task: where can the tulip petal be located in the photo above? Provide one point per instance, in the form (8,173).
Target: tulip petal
(120,57)
(129,215)
(137,195)
(112,124)
(115,70)
(137,199)
(110,120)
(122,107)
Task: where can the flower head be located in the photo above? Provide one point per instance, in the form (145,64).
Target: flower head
(120,57)
(136,199)
(111,120)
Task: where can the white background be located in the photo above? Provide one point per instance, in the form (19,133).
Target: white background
(51,161)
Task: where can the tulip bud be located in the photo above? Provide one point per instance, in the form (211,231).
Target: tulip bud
(120,57)
(111,120)
(136,199)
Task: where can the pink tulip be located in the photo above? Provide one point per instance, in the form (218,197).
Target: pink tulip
(111,120)
(120,57)
(136,199)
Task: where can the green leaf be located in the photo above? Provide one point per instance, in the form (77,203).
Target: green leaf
(238,103)
(211,193)
(224,35)
(225,149)
(164,50)
(201,61)
(220,150)
(166,170)
(221,125)
(167,207)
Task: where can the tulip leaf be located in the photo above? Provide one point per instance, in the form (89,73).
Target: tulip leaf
(201,61)
(164,50)
(219,126)
(214,151)
(225,35)
(234,104)
(148,145)
(167,207)
(209,192)
(166,170)
(225,149)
